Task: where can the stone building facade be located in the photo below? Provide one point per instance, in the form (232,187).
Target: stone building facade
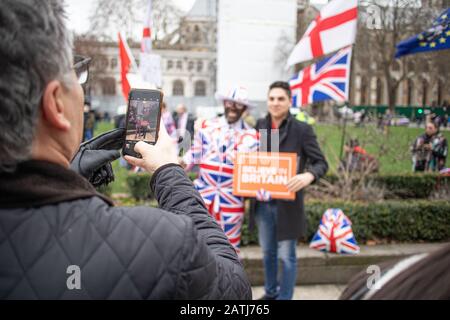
(188,63)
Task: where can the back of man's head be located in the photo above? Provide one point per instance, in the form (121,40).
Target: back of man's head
(35,48)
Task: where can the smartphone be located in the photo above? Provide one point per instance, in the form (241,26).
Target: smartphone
(143,119)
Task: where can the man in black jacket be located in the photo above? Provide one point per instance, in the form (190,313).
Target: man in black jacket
(59,238)
(281,222)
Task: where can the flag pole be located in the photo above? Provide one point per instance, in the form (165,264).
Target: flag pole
(347,103)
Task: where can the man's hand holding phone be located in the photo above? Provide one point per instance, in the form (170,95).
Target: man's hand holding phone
(155,156)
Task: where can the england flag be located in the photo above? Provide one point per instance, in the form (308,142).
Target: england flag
(333,29)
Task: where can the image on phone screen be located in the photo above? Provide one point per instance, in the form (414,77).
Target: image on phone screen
(142,120)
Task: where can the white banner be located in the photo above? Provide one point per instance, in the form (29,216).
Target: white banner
(150,68)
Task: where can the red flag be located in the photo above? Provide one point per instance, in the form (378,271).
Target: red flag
(125,65)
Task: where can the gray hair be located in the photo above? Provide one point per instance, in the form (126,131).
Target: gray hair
(35,48)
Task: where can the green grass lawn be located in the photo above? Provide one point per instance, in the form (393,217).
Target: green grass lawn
(392,149)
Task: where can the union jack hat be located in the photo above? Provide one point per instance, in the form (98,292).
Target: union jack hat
(237,94)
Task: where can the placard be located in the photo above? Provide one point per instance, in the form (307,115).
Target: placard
(264,172)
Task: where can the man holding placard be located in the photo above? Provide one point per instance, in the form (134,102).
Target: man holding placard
(282,221)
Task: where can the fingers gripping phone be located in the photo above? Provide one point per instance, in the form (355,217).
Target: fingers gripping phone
(143,119)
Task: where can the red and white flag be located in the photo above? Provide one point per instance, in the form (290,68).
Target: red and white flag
(333,29)
(150,63)
(146,45)
(126,64)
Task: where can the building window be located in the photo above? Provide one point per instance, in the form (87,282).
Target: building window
(196,38)
(379,91)
(108,86)
(199,66)
(363,91)
(169,64)
(191,65)
(103,62)
(200,89)
(440,85)
(179,65)
(424,92)
(178,88)
(113,63)
(409,93)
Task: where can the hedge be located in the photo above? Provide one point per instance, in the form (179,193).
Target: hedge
(404,186)
(139,185)
(417,186)
(419,220)
(395,220)
(400,221)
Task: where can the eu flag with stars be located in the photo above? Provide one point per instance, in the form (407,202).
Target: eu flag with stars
(435,38)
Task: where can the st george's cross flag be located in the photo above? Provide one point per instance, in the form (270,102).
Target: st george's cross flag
(327,79)
(335,234)
(333,28)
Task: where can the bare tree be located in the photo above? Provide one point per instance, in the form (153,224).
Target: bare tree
(383,24)
(109,17)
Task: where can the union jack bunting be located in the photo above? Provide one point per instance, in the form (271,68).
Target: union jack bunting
(327,79)
(335,234)
(263,195)
(214,149)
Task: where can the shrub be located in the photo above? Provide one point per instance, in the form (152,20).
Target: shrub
(403,186)
(390,220)
(139,185)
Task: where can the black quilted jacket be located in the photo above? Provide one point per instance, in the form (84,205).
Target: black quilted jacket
(51,218)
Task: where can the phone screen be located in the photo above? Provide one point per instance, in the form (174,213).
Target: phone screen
(143,117)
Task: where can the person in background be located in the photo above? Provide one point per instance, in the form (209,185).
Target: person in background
(249,119)
(429,150)
(184,122)
(89,121)
(168,122)
(356,158)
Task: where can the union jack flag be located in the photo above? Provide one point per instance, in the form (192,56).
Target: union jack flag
(327,79)
(335,234)
(214,149)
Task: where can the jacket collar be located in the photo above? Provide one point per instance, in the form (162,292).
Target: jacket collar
(284,127)
(36,183)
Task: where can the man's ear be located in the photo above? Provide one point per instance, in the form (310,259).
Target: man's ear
(53,106)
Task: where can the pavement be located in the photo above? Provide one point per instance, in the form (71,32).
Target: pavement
(324,275)
(311,292)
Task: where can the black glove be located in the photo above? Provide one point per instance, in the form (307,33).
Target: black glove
(93,159)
